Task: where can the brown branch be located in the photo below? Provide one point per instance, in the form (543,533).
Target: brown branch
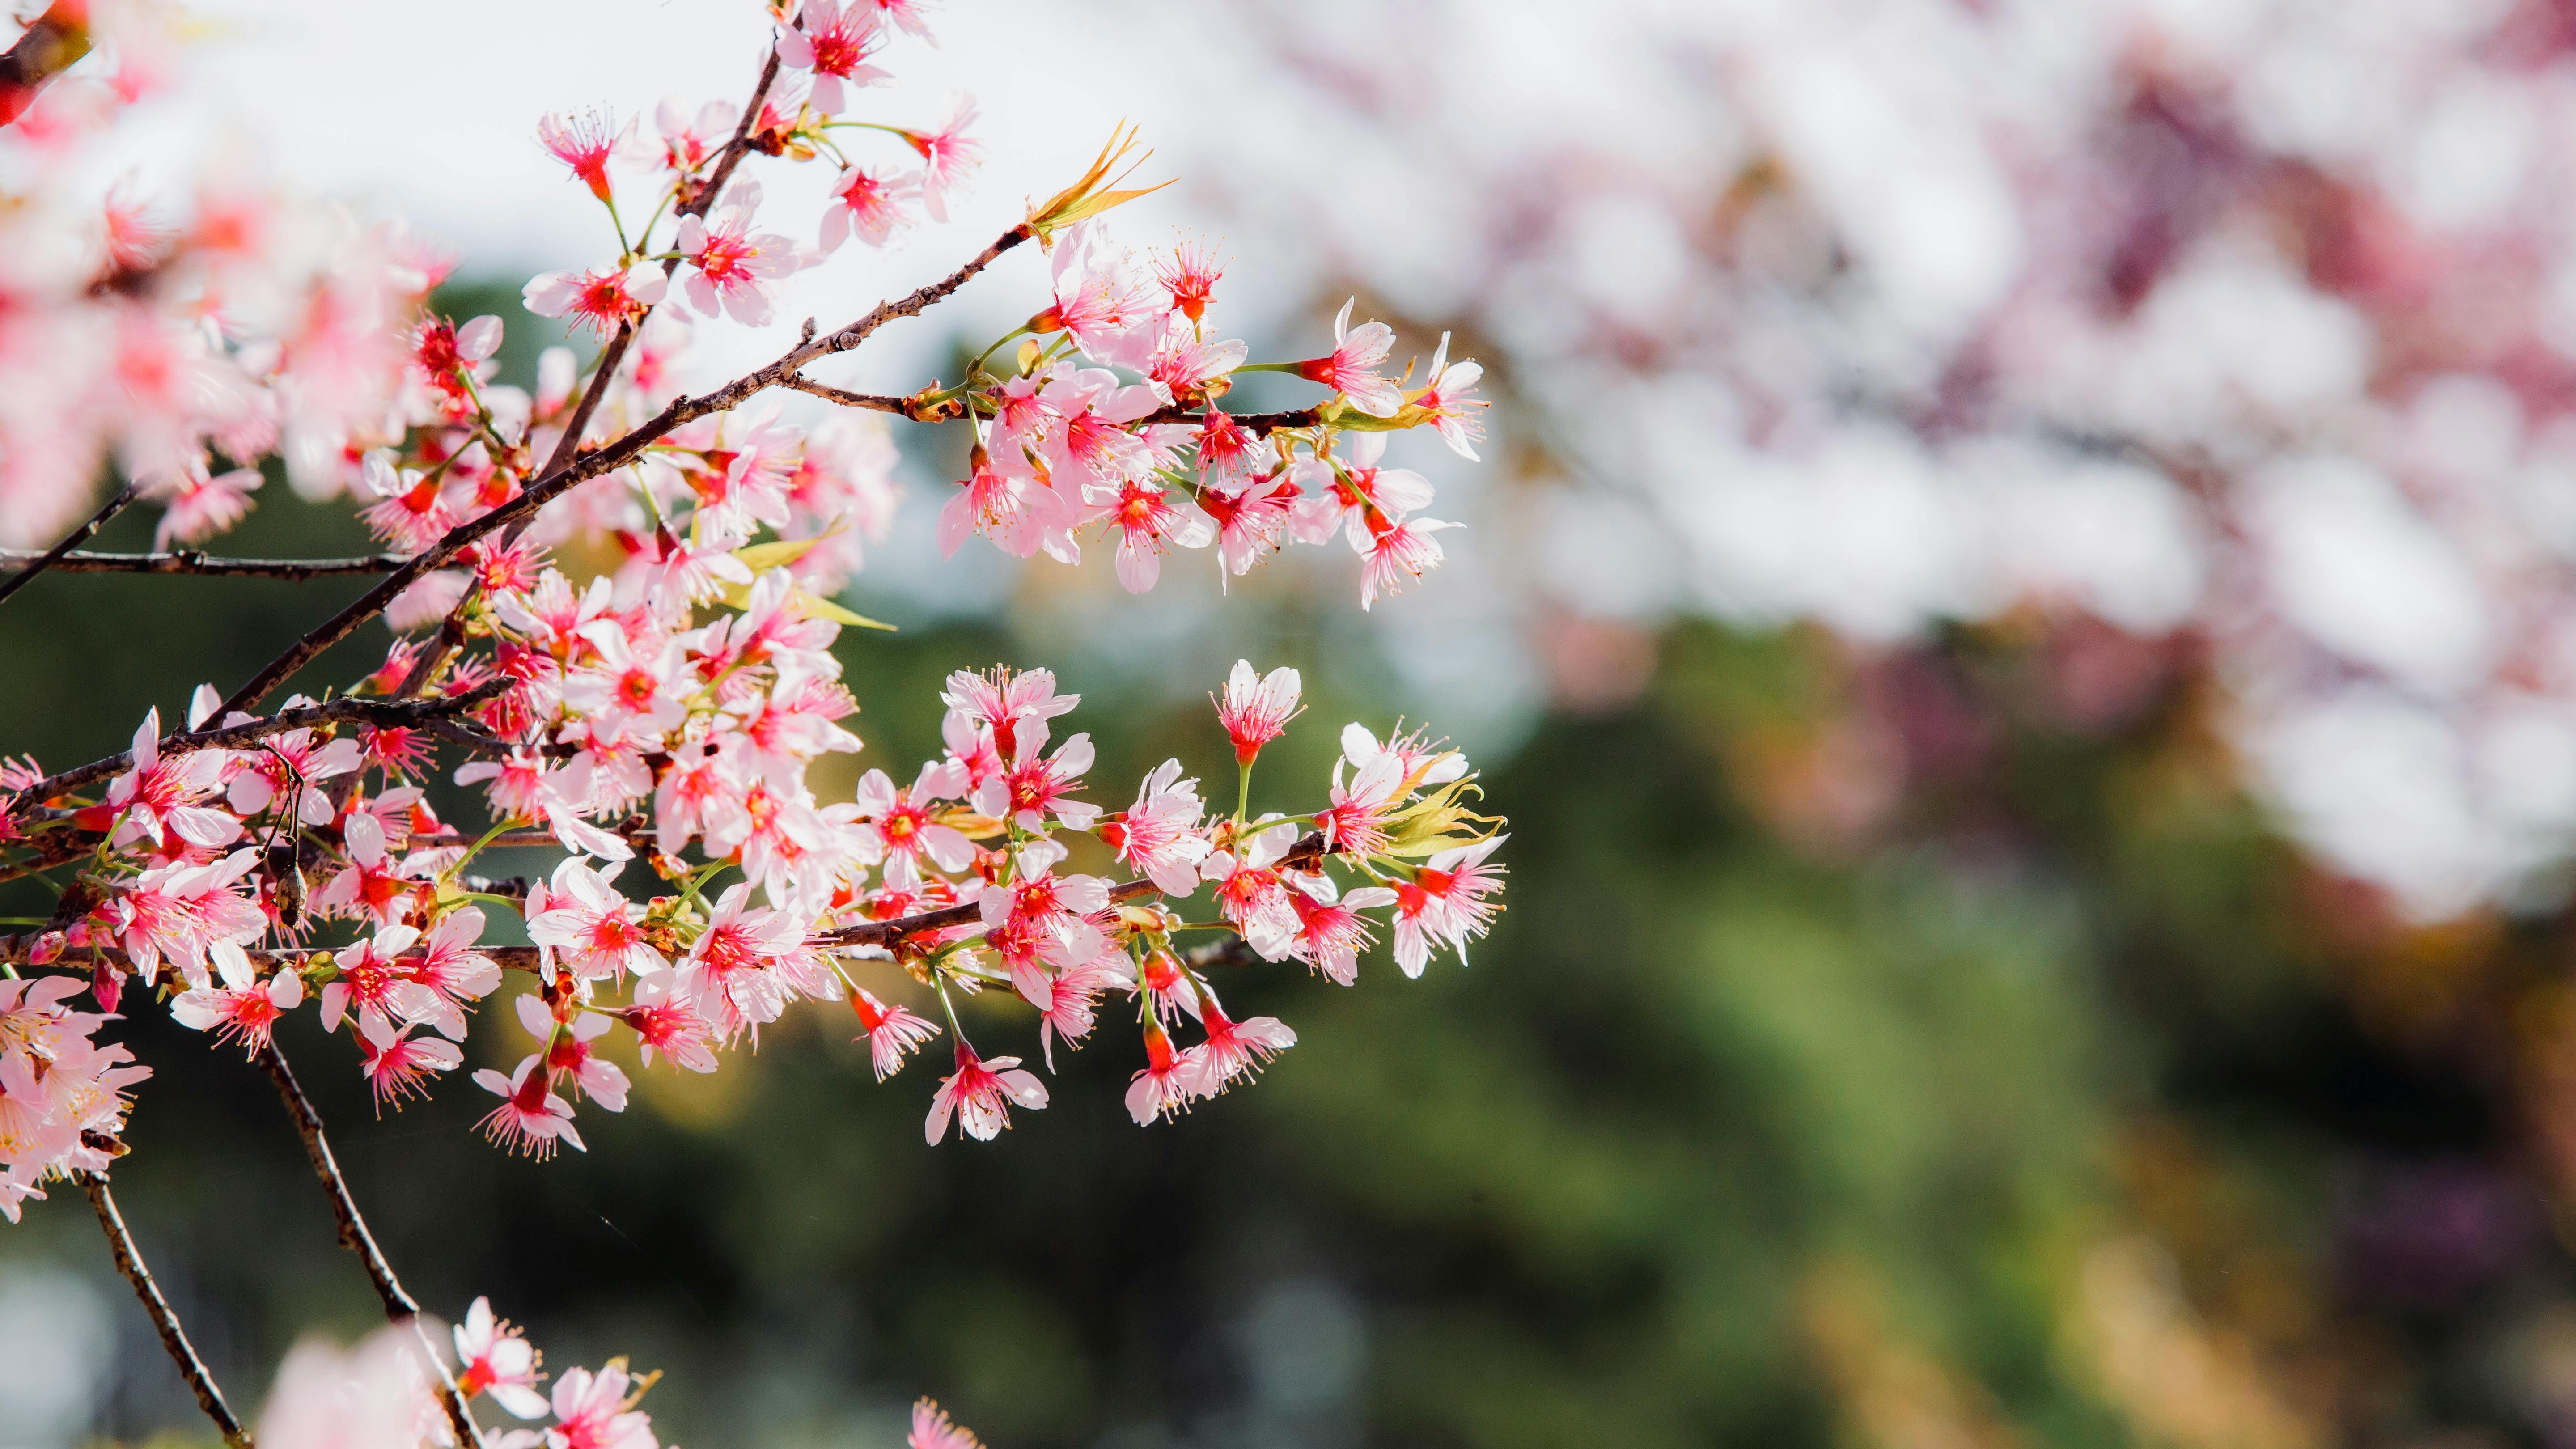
(174,1338)
(58,37)
(73,540)
(1257,424)
(189,561)
(400,1307)
(588,465)
(384,713)
(873,402)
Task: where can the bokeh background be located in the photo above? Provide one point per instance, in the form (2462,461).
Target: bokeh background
(2019,604)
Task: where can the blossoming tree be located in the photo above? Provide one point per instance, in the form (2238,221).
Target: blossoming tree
(654,724)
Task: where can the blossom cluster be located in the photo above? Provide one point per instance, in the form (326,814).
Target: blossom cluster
(184,335)
(385,1393)
(56,1084)
(656,721)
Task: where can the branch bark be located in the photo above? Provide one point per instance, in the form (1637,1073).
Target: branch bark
(400,1307)
(174,1338)
(189,561)
(73,540)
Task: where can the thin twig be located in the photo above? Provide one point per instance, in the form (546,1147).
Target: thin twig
(400,1306)
(873,402)
(1257,424)
(383,713)
(174,1338)
(585,466)
(75,539)
(190,562)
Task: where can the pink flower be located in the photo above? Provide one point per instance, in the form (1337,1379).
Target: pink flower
(495,1359)
(1034,788)
(1445,902)
(1249,524)
(1150,521)
(979,1094)
(1399,552)
(903,821)
(1456,416)
(690,142)
(565,1053)
(730,266)
(584,143)
(178,912)
(948,157)
(1018,513)
(1331,934)
(1355,491)
(402,1065)
(1256,710)
(1158,835)
(199,506)
(869,207)
(834,43)
(734,965)
(1186,364)
(668,1021)
(892,1032)
(1355,824)
(593,926)
(1237,1049)
(931,1428)
(629,694)
(242,1009)
(378,988)
(1012,704)
(591,1412)
(1112,313)
(603,301)
(1248,889)
(531,1118)
(157,798)
(1166,1085)
(1351,369)
(1189,277)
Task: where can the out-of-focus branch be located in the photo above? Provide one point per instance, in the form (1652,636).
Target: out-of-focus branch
(400,1307)
(73,540)
(59,37)
(383,713)
(189,561)
(585,466)
(174,1338)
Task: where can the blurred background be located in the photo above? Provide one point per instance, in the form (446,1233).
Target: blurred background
(2020,604)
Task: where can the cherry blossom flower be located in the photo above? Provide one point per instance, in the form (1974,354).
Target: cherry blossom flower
(157,798)
(1255,709)
(1112,312)
(1158,835)
(584,143)
(591,1412)
(1355,824)
(1399,552)
(735,963)
(1149,522)
(1168,1081)
(243,1009)
(689,142)
(199,506)
(730,265)
(1016,511)
(603,301)
(178,913)
(1249,524)
(903,821)
(979,1094)
(834,43)
(1236,1049)
(1458,417)
(931,1427)
(892,1033)
(1331,934)
(1035,788)
(1351,368)
(1012,705)
(531,1118)
(565,1052)
(494,1358)
(593,927)
(867,207)
(1189,277)
(948,157)
(402,1064)
(667,1020)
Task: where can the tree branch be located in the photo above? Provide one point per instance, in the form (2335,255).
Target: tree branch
(189,561)
(383,713)
(73,540)
(400,1307)
(1257,424)
(174,1338)
(585,466)
(873,402)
